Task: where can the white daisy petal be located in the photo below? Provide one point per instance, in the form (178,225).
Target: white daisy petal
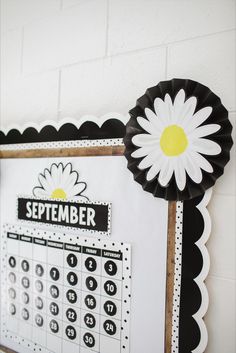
(180,98)
(166,172)
(150,159)
(169,105)
(162,111)
(40,192)
(46,186)
(66,172)
(204,130)
(192,169)
(187,111)
(180,174)
(154,170)
(198,118)
(144,139)
(151,116)
(205,146)
(49,179)
(76,189)
(147,126)
(143,151)
(71,181)
(201,162)
(54,173)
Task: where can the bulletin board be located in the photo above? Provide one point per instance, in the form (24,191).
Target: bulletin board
(84,252)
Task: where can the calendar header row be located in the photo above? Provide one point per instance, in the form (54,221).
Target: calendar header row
(116,255)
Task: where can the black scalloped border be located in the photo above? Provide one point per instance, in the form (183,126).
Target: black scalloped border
(192,264)
(112,128)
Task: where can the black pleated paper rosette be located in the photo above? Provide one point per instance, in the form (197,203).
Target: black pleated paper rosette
(178,139)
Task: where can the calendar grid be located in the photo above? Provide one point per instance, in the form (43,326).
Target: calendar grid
(73,335)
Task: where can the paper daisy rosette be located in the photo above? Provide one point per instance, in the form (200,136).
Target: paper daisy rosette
(178,139)
(60,182)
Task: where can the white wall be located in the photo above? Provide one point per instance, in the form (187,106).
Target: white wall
(73,57)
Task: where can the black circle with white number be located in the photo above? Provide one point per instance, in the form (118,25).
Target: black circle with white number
(71,296)
(72,278)
(25,298)
(39,286)
(54,274)
(71,332)
(91,264)
(25,282)
(110,308)
(39,270)
(54,327)
(12,261)
(72,260)
(39,320)
(91,283)
(110,268)
(25,314)
(12,309)
(71,315)
(110,288)
(54,309)
(89,340)
(25,266)
(12,277)
(54,291)
(90,302)
(110,327)
(39,303)
(12,293)
(90,320)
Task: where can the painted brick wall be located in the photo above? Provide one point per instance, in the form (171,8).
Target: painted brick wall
(67,58)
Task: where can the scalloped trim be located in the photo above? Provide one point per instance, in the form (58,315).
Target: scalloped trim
(200,279)
(58,124)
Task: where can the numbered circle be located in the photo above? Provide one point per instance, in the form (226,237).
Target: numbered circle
(25,266)
(91,283)
(54,309)
(39,320)
(91,264)
(25,314)
(12,262)
(39,270)
(12,277)
(71,296)
(54,291)
(90,302)
(12,309)
(71,315)
(72,260)
(89,340)
(72,278)
(39,286)
(110,288)
(110,327)
(70,332)
(25,298)
(110,268)
(90,320)
(25,282)
(54,327)
(110,308)
(39,303)
(54,274)
(12,293)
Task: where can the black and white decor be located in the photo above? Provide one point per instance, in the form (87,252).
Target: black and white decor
(38,216)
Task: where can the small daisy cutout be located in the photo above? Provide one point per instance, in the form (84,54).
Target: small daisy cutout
(60,182)
(176,140)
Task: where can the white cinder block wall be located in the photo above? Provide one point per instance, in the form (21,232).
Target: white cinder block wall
(63,58)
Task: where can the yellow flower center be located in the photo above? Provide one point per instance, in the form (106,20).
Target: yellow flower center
(58,194)
(173,141)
